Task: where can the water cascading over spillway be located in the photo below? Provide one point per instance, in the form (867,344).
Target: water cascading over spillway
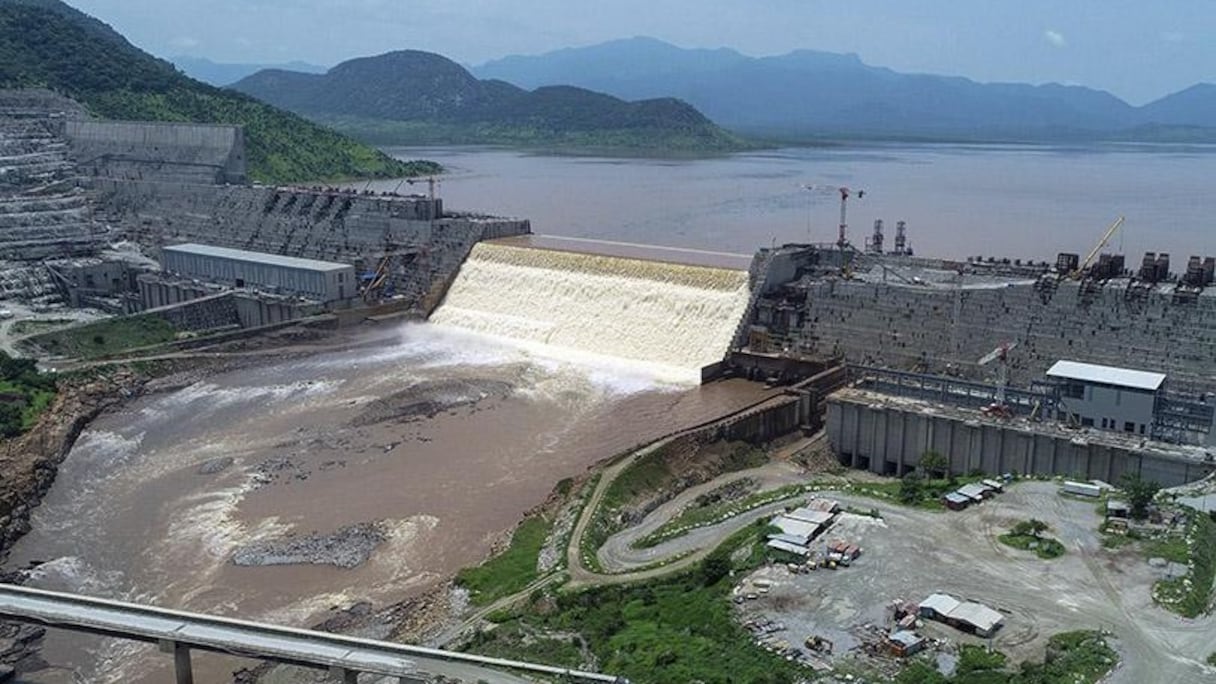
(678,317)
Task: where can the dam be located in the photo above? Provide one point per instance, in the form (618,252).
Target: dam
(672,318)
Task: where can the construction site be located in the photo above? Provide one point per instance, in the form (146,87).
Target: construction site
(781,392)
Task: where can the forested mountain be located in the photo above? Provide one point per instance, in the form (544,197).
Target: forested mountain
(227,73)
(411,97)
(46,43)
(809,93)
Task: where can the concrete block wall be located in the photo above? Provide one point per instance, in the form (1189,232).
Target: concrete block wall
(901,326)
(890,439)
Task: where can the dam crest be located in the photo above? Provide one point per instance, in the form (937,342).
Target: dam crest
(671,318)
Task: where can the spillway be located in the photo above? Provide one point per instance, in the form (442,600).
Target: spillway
(671,317)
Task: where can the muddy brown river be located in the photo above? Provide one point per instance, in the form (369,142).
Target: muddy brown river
(441,438)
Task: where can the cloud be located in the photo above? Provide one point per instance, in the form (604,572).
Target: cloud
(1055,38)
(184,42)
(1173,36)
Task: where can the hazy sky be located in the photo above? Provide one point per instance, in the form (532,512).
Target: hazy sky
(1136,49)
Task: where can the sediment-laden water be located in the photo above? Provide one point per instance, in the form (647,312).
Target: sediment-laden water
(417,446)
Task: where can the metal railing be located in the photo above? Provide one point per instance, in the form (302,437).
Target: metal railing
(178,632)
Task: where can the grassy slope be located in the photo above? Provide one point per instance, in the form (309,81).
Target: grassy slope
(106,337)
(511,570)
(58,48)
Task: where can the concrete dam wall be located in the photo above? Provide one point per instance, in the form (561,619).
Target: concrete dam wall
(888,435)
(423,248)
(134,150)
(905,326)
(672,317)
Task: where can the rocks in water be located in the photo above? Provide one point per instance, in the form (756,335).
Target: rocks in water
(215,465)
(348,547)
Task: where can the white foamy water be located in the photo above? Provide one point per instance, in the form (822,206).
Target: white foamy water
(668,319)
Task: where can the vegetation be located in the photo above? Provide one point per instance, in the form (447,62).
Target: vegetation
(1028,534)
(106,337)
(511,570)
(412,97)
(1140,494)
(675,629)
(934,463)
(1081,657)
(48,44)
(914,489)
(1190,595)
(1212,659)
(24,394)
(648,475)
(699,515)
(31,326)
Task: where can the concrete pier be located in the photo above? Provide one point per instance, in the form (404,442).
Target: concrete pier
(887,435)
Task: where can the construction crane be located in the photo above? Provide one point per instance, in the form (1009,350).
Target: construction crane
(1001,353)
(845,193)
(1089,258)
(431,183)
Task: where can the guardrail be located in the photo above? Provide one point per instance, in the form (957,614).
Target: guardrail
(178,632)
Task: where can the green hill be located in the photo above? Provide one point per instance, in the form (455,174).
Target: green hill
(412,97)
(46,43)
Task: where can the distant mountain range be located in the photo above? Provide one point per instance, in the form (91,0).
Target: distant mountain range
(807,93)
(227,73)
(46,43)
(413,97)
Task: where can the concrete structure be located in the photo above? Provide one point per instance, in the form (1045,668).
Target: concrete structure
(134,150)
(420,245)
(321,281)
(179,632)
(938,316)
(888,435)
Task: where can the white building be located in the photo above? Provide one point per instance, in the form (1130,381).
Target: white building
(1106,397)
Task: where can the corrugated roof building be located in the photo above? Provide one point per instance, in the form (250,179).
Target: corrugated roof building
(1107,397)
(322,281)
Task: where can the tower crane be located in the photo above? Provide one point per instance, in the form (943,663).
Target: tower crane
(1089,258)
(1001,353)
(845,193)
(431,183)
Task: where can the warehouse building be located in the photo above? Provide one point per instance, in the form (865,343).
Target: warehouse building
(968,616)
(321,281)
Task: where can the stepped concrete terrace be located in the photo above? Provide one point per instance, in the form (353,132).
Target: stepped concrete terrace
(44,214)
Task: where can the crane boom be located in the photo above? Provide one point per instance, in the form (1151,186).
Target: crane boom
(1101,243)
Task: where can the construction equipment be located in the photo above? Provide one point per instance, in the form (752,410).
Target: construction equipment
(1089,258)
(845,193)
(431,183)
(1001,353)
